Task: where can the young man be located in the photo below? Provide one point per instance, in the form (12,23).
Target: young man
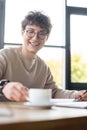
(24,69)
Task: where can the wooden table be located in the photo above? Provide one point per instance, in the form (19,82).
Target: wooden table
(15,116)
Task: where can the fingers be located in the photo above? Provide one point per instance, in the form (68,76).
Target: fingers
(15,91)
(18,95)
(82,95)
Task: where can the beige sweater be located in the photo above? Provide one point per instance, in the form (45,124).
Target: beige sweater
(32,73)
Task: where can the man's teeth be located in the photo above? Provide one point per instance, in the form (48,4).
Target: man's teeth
(34,44)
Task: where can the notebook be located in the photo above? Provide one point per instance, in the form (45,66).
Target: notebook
(70,103)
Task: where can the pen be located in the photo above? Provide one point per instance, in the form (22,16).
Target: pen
(80,99)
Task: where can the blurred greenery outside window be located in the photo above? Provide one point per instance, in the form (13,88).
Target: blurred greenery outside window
(78,41)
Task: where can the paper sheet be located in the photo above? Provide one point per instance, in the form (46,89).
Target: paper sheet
(69,103)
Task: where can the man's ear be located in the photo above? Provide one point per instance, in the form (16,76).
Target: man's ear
(47,37)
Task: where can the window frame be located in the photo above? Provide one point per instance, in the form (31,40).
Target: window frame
(2,22)
(69,85)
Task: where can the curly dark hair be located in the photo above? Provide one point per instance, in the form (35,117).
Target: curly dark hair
(37,18)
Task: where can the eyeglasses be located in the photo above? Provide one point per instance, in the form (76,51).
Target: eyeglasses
(41,35)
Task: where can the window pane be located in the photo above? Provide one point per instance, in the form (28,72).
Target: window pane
(78,48)
(77,3)
(17,9)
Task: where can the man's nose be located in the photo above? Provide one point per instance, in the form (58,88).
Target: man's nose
(35,36)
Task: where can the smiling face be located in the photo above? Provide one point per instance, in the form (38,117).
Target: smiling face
(34,38)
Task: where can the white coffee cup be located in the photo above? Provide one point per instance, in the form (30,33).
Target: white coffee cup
(40,96)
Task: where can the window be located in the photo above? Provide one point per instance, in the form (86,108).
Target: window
(54,51)
(17,9)
(76,40)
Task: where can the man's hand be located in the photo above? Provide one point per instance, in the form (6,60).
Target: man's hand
(81,95)
(15,91)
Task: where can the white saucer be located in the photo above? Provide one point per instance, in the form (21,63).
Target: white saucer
(39,105)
